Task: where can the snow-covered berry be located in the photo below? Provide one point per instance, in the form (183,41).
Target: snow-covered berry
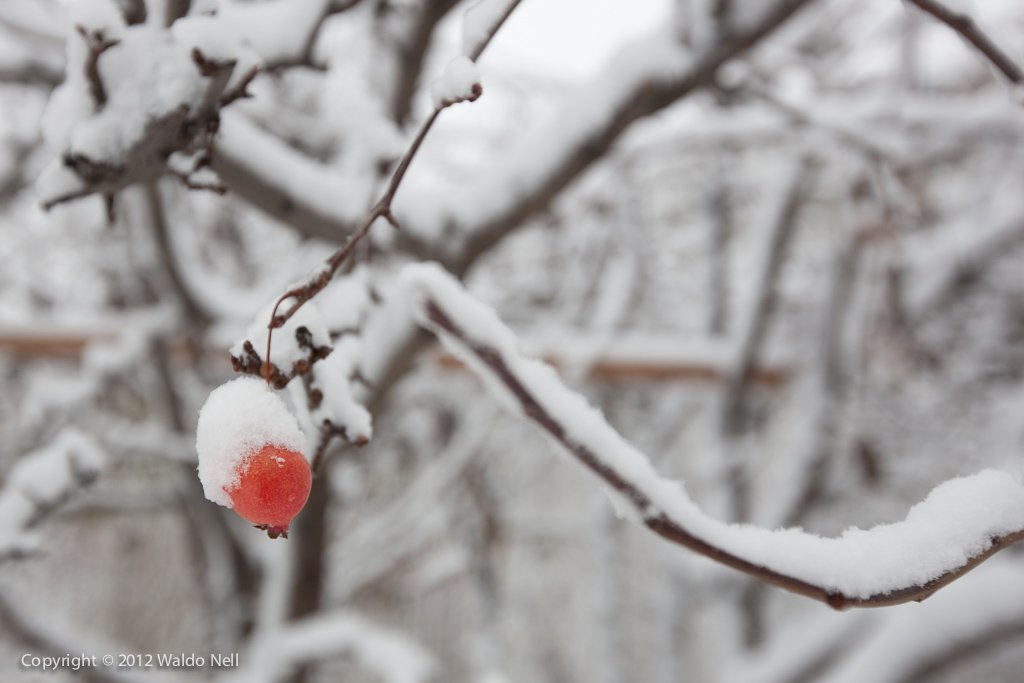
(250,454)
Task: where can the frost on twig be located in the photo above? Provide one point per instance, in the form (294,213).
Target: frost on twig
(135,95)
(42,481)
(960,524)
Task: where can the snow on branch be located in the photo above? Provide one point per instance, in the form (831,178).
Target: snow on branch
(41,481)
(391,656)
(961,523)
(459,82)
(135,94)
(643,78)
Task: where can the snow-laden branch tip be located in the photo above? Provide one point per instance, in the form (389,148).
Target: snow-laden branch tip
(961,523)
(459,82)
(42,480)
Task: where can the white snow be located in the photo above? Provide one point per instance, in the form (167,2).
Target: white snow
(532,159)
(276,29)
(333,376)
(345,301)
(322,188)
(57,180)
(479,21)
(97,15)
(218,42)
(387,654)
(239,418)
(956,522)
(284,348)
(459,82)
(41,479)
(70,101)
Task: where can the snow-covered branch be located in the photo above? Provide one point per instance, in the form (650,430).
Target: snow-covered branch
(41,481)
(961,523)
(391,656)
(645,78)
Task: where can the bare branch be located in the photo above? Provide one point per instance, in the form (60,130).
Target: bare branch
(194,310)
(965,26)
(755,328)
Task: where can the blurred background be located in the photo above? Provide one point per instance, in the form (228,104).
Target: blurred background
(784,257)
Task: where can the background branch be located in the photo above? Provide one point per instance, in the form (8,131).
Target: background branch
(968,29)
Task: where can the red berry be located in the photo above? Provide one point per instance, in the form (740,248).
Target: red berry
(273,487)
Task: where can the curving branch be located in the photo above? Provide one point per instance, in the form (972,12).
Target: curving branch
(969,31)
(962,523)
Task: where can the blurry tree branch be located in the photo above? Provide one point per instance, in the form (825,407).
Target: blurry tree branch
(647,95)
(300,294)
(979,646)
(30,632)
(612,362)
(194,311)
(411,53)
(968,29)
(753,331)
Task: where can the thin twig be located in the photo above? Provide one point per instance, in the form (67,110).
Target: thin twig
(968,29)
(382,209)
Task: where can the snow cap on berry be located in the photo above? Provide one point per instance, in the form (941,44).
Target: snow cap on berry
(238,419)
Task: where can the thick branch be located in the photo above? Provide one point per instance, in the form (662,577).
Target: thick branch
(648,96)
